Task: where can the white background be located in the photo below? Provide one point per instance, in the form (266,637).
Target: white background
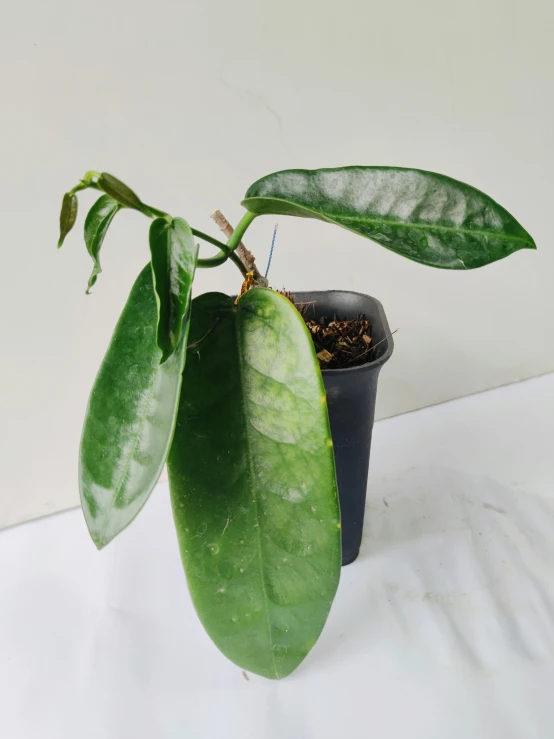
(189,102)
(443,628)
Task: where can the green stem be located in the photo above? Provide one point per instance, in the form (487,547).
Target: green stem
(232,243)
(236,237)
(210,240)
(221,258)
(233,257)
(210,262)
(226,250)
(148,210)
(87,181)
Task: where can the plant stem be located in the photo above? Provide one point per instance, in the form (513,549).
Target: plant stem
(210,240)
(234,258)
(87,181)
(151,212)
(148,210)
(220,258)
(236,237)
(210,262)
(245,256)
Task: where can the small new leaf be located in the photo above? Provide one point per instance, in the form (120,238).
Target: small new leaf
(96,226)
(174,255)
(68,215)
(119,191)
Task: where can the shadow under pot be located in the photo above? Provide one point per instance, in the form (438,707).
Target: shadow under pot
(351,395)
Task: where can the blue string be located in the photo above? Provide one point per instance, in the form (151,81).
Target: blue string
(271,250)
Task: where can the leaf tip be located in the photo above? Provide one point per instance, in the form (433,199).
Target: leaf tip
(531,244)
(166,354)
(98,540)
(92,280)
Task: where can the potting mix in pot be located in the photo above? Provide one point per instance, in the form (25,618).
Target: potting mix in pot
(242,397)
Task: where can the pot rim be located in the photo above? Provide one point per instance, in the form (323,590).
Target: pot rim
(384,357)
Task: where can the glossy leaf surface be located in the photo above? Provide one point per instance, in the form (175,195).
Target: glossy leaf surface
(68,215)
(174,254)
(130,418)
(421,215)
(119,191)
(97,223)
(252,481)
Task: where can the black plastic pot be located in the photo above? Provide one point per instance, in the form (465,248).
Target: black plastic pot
(351,395)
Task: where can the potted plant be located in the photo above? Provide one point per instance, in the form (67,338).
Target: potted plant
(229,392)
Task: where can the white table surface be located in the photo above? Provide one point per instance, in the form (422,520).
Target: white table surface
(442,629)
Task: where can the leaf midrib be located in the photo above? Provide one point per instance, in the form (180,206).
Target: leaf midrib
(333,218)
(241,364)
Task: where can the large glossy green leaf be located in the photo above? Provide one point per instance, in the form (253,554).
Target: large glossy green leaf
(252,479)
(174,256)
(97,223)
(130,418)
(421,215)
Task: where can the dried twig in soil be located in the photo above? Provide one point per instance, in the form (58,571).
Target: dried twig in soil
(341,343)
(338,344)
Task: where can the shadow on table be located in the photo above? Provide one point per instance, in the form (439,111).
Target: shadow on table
(457,566)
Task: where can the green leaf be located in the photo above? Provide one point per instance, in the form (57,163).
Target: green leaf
(68,215)
(130,418)
(119,191)
(96,226)
(174,256)
(421,215)
(252,480)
